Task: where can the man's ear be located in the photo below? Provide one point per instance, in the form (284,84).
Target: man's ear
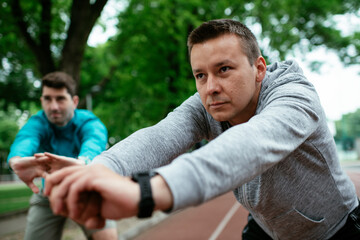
(260,65)
(75,100)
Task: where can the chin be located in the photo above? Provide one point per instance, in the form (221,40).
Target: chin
(56,122)
(220,118)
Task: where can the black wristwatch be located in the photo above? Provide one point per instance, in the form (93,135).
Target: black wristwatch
(146,204)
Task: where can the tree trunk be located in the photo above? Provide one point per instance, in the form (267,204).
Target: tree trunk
(83,18)
(41,48)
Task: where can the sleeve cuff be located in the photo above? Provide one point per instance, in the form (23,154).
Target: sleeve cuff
(85,159)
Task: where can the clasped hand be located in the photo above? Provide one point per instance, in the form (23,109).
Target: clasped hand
(91,194)
(29,168)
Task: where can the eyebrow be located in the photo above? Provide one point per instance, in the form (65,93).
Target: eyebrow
(224,62)
(221,63)
(49,96)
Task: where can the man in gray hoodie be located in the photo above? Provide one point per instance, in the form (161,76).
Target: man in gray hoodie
(268,142)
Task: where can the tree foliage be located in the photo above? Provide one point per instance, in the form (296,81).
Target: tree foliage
(348,127)
(38,37)
(142,73)
(152,74)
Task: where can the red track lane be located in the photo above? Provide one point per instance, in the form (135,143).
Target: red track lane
(221,218)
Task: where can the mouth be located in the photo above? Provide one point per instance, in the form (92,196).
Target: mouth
(216,105)
(55,115)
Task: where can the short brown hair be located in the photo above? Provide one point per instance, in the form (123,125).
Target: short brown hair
(215,28)
(59,80)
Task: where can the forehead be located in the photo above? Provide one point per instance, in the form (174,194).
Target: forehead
(48,91)
(226,46)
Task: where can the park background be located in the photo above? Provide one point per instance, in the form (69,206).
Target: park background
(130,60)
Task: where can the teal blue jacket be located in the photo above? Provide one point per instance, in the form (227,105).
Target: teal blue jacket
(85,135)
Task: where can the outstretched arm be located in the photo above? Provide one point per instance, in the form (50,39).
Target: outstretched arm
(91,194)
(93,136)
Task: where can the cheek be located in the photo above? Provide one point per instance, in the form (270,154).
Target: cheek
(203,99)
(70,109)
(232,92)
(201,92)
(198,87)
(46,107)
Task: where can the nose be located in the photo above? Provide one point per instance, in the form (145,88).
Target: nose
(213,85)
(54,105)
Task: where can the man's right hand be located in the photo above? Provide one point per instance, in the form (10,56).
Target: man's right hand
(90,194)
(27,169)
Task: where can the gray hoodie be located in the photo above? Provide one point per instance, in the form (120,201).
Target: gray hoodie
(282,164)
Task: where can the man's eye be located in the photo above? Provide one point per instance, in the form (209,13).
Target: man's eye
(224,69)
(199,76)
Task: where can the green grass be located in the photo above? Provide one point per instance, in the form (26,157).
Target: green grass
(14,197)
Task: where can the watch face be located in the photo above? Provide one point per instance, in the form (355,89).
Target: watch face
(136,176)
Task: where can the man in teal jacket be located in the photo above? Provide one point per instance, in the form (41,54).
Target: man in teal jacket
(56,137)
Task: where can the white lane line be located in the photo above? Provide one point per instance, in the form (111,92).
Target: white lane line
(225,221)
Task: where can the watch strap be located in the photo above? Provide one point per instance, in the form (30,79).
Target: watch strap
(146,204)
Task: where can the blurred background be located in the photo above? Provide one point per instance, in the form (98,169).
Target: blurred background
(130,60)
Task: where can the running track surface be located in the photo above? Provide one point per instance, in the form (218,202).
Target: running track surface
(222,218)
